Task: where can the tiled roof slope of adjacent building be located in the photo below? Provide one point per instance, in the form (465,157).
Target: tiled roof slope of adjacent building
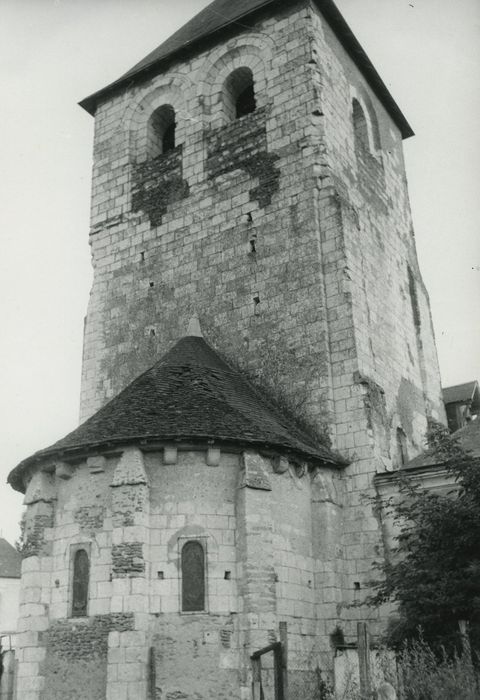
(213,21)
(461,393)
(190,394)
(469,440)
(10,560)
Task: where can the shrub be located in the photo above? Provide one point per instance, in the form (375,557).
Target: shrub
(425,675)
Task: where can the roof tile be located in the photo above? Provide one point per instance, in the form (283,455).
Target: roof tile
(190,394)
(469,441)
(10,560)
(460,392)
(219,15)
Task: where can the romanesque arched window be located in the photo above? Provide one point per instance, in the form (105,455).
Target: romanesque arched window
(239,93)
(81,575)
(360,126)
(161,131)
(193,576)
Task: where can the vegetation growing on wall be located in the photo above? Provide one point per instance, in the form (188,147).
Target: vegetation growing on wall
(434,575)
(274,364)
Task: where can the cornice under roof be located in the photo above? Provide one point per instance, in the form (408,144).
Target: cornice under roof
(190,395)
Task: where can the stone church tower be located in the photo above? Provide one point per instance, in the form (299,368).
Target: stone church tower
(248,185)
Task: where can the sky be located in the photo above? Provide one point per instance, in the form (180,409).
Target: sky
(55,52)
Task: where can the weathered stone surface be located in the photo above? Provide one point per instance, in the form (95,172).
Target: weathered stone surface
(254,474)
(63,471)
(76,665)
(294,245)
(130,469)
(96,464)
(127,559)
(41,488)
(90,518)
(158,183)
(84,639)
(242,145)
(39,518)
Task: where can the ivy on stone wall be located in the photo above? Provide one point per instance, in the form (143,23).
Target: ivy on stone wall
(157,183)
(242,145)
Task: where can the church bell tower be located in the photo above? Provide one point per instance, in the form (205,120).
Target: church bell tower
(248,174)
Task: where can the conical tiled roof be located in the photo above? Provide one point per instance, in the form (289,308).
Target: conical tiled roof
(219,16)
(216,16)
(190,394)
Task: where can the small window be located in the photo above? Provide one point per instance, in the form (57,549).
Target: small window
(161,131)
(402,452)
(360,126)
(240,93)
(81,575)
(193,577)
(412,290)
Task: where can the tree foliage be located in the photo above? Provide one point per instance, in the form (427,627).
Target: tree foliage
(434,573)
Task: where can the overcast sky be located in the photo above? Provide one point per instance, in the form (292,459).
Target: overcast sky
(55,52)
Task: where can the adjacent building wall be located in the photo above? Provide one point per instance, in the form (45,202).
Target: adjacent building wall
(9,601)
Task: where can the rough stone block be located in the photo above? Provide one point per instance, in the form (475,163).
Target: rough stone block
(40,489)
(96,464)
(170,455)
(63,471)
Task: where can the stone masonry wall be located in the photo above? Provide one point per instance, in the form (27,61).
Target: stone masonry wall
(247,181)
(195,654)
(256,179)
(374,245)
(60,656)
(76,656)
(381,378)
(254,517)
(293,246)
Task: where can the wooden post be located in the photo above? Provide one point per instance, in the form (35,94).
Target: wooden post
(463,626)
(7,674)
(152,672)
(284,642)
(257,678)
(364,660)
(278,671)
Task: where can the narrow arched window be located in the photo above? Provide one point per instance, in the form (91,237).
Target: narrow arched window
(81,575)
(412,289)
(377,145)
(161,131)
(402,452)
(360,126)
(193,577)
(239,93)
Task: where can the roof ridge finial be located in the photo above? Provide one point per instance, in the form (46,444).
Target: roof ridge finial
(194,327)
